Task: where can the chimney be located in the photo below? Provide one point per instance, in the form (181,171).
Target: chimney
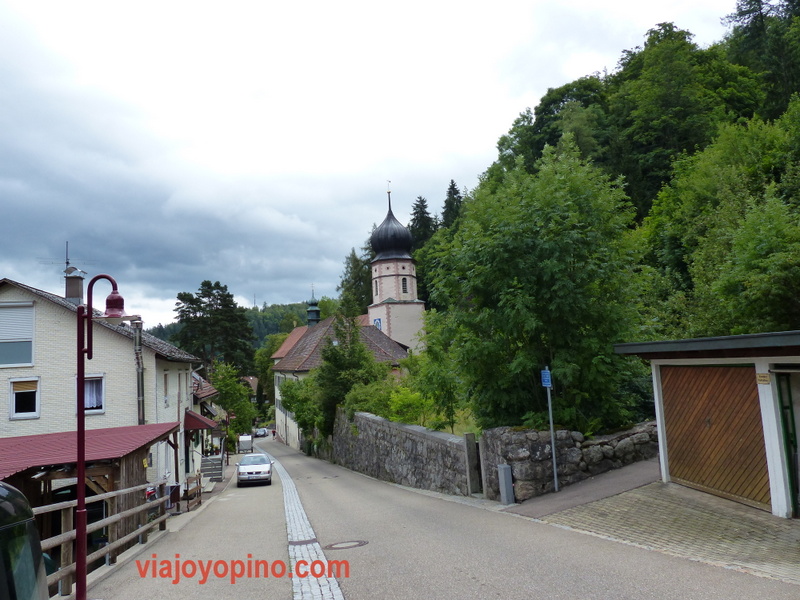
(74,286)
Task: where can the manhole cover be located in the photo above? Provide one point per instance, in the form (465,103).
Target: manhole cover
(345,545)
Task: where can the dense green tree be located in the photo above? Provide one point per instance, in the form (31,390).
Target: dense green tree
(422,225)
(233,398)
(692,232)
(302,398)
(538,275)
(164,332)
(669,98)
(758,288)
(328,307)
(520,143)
(452,205)
(214,327)
(766,38)
(275,318)
(559,110)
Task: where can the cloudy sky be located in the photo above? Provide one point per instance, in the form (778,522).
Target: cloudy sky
(251,142)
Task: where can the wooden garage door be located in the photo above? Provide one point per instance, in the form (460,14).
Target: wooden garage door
(715,439)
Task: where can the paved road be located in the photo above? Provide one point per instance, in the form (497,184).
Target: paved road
(405,545)
(421,546)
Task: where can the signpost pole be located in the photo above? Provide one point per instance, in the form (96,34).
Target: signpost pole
(547,383)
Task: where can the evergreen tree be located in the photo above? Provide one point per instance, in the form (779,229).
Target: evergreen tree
(355,286)
(452,205)
(422,225)
(766,38)
(214,327)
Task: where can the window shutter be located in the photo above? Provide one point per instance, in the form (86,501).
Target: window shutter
(24,386)
(16,323)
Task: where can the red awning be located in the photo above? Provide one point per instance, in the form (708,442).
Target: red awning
(193,421)
(26,451)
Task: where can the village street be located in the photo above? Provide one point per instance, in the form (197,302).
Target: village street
(401,544)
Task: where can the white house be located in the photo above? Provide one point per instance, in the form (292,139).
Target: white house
(38,377)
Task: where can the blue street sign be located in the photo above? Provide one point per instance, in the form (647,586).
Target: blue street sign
(546,378)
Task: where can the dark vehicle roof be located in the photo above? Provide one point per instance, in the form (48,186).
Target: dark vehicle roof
(14,507)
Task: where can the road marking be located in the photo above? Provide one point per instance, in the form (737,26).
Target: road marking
(303,545)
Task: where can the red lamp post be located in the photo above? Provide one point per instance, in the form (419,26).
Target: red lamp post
(114,309)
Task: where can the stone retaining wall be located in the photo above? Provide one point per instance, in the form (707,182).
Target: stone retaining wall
(529,455)
(406,454)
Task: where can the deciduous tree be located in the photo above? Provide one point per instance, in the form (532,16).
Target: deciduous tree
(537,275)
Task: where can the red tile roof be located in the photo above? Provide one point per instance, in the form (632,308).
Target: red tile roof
(201,388)
(193,421)
(26,451)
(290,341)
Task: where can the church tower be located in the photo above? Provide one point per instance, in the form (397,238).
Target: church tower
(396,310)
(313,311)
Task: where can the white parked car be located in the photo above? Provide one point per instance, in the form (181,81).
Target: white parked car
(254,468)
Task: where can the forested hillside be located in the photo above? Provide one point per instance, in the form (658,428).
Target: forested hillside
(659,201)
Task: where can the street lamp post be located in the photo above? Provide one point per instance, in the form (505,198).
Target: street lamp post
(115,306)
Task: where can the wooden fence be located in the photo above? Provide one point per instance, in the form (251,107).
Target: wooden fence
(144,521)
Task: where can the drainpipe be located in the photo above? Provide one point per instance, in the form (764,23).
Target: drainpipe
(137,352)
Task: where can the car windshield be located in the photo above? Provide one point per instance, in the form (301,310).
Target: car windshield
(256,459)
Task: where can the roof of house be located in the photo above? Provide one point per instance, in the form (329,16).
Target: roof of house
(202,389)
(306,353)
(289,342)
(43,450)
(781,343)
(193,421)
(162,348)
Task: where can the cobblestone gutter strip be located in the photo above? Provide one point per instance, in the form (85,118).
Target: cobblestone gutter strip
(682,522)
(303,545)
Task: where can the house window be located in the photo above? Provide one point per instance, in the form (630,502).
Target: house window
(16,334)
(376,288)
(94,400)
(166,390)
(405,285)
(24,399)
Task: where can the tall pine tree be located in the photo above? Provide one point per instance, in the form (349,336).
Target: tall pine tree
(452,205)
(214,327)
(422,225)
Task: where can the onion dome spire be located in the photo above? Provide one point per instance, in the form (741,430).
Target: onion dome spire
(391,239)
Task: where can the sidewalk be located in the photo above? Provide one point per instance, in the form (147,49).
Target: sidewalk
(632,506)
(175,522)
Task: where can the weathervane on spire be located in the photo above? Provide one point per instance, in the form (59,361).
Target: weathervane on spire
(389,193)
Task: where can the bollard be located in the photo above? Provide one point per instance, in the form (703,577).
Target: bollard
(506,485)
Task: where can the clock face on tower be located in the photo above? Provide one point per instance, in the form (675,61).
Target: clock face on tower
(377,323)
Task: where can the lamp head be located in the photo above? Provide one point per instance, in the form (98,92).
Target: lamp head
(115,305)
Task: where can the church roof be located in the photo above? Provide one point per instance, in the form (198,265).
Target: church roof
(306,353)
(391,239)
